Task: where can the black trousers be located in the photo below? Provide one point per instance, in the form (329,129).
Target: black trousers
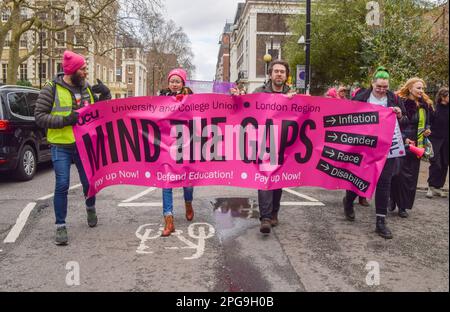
(439,163)
(269,202)
(382,192)
(404,184)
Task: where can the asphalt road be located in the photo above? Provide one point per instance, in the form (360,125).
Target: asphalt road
(313,249)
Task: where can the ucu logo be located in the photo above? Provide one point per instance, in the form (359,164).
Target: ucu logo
(87,118)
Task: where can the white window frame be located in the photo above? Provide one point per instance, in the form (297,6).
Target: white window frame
(60,44)
(276,46)
(44,39)
(23,66)
(44,66)
(5,73)
(5,15)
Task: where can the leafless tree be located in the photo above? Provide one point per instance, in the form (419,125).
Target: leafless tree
(99,21)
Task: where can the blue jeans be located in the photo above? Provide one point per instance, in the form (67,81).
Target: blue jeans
(168,199)
(62,160)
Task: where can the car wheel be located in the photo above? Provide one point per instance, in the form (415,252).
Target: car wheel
(26,167)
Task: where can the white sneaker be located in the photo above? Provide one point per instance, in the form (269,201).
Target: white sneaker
(430,192)
(439,193)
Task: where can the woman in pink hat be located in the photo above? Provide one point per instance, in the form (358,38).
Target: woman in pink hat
(176,87)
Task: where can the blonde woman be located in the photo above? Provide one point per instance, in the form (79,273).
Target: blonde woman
(418,111)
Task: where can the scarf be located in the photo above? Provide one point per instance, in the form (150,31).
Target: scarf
(421,128)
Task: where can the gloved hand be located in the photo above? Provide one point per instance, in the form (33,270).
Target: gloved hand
(105,93)
(71,120)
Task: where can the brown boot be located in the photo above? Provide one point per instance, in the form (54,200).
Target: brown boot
(363,202)
(189,211)
(274,221)
(170,227)
(265,226)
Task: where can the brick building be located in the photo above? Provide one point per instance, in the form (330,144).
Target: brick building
(223,58)
(259,28)
(439,19)
(159,66)
(120,65)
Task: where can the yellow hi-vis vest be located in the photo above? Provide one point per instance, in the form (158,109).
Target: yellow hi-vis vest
(62,106)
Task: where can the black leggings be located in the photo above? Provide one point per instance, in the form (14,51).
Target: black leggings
(383,190)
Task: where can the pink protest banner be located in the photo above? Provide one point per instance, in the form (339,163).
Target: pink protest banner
(260,141)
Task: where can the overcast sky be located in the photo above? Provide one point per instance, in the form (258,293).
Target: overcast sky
(203,21)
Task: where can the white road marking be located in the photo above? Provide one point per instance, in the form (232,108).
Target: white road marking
(151,189)
(20,223)
(23,217)
(197,231)
(300,195)
(302,204)
(140,205)
(52,194)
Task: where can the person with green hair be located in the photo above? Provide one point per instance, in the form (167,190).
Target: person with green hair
(379,94)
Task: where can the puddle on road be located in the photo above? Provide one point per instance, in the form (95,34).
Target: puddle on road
(234,216)
(228,209)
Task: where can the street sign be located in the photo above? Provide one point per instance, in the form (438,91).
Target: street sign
(301,77)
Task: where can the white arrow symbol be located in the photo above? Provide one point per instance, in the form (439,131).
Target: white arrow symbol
(325,166)
(331,153)
(332,120)
(334,136)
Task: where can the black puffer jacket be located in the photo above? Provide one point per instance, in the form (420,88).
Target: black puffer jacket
(393,101)
(44,103)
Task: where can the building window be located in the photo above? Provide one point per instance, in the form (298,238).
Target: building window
(130,93)
(118,96)
(43,37)
(24,13)
(8,39)
(43,71)
(118,71)
(23,70)
(59,68)
(130,80)
(42,16)
(61,39)
(4,72)
(78,39)
(130,69)
(23,40)
(110,78)
(104,74)
(5,15)
(275,52)
(97,74)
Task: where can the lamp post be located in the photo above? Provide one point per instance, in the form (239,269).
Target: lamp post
(267,59)
(271,46)
(301,42)
(308,47)
(40,58)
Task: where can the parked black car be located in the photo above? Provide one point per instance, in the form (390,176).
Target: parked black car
(22,143)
